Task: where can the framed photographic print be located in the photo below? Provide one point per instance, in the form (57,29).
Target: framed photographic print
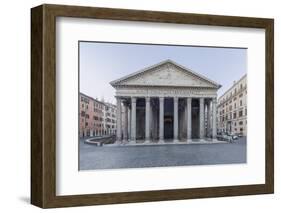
(136,106)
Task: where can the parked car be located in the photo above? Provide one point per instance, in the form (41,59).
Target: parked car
(239,135)
(225,137)
(234,137)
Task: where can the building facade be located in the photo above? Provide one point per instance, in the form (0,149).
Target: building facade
(110,119)
(165,102)
(232,109)
(96,118)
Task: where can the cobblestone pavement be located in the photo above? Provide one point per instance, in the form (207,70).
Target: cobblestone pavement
(106,157)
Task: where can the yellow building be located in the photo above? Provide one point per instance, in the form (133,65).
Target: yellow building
(232,109)
(96,118)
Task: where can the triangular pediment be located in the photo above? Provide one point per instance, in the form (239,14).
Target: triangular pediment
(166,73)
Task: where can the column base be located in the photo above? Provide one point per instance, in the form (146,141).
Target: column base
(125,141)
(118,142)
(175,141)
(161,141)
(132,141)
(147,141)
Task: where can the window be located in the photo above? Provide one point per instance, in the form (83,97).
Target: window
(240,102)
(234,105)
(240,113)
(240,122)
(234,115)
(82,113)
(86,123)
(246,111)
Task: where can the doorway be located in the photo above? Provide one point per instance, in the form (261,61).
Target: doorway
(168,118)
(195,118)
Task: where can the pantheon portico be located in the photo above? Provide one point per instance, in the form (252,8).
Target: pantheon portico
(165,102)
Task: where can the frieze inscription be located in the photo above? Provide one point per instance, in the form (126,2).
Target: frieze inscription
(155,92)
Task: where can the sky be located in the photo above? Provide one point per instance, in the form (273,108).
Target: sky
(101,63)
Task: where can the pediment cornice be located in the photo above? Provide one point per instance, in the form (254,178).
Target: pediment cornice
(166,73)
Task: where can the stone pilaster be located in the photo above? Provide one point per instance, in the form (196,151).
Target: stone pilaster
(208,119)
(189,118)
(133,119)
(119,121)
(161,119)
(147,119)
(129,123)
(201,118)
(214,115)
(176,120)
(125,131)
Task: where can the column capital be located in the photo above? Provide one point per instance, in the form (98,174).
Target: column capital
(161,99)
(176,99)
(133,99)
(147,98)
(125,103)
(214,100)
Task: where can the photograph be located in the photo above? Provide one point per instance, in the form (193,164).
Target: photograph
(161,105)
(133,105)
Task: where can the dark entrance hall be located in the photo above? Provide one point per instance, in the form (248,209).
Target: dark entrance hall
(195,118)
(168,118)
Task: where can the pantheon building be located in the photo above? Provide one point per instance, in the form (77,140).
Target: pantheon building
(165,103)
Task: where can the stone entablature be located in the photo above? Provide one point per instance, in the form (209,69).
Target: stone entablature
(148,91)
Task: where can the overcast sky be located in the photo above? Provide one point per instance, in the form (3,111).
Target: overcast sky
(101,63)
